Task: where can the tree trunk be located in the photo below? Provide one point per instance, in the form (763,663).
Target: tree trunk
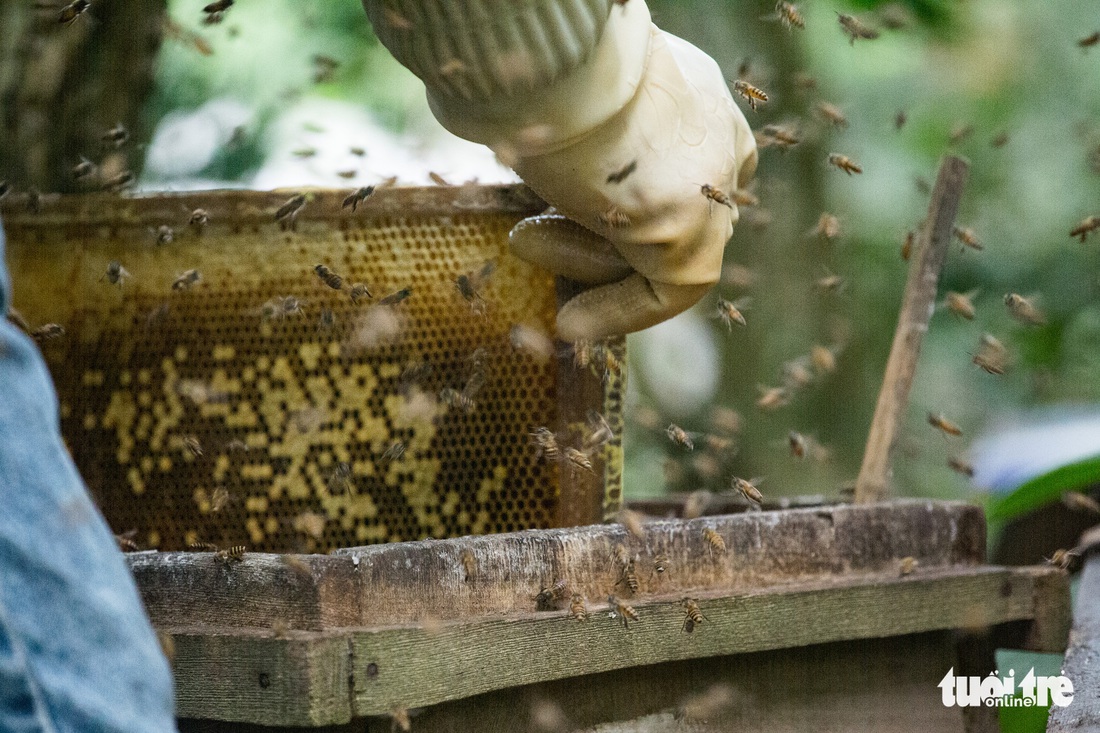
(62,86)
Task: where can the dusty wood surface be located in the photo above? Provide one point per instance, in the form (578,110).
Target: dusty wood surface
(494,575)
(918,302)
(1082,664)
(417,665)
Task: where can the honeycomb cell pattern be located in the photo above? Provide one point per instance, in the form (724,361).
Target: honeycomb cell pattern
(233,412)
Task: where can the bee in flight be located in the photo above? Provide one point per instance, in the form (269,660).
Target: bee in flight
(752,94)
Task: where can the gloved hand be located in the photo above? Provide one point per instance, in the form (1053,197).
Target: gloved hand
(617,124)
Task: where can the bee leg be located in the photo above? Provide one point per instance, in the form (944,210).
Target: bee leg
(566,248)
(626,306)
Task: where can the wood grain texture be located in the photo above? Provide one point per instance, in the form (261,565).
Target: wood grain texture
(416,666)
(918,302)
(1082,663)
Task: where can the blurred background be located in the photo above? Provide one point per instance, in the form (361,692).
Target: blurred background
(287,94)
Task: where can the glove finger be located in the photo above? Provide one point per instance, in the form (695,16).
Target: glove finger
(626,306)
(565,248)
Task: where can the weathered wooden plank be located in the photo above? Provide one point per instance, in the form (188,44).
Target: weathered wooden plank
(417,666)
(487,576)
(300,680)
(884,685)
(1082,663)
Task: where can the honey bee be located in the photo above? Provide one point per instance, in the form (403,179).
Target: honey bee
(621,175)
(469,563)
(397,297)
(741,197)
(692,615)
(470,285)
(47,332)
(599,431)
(1063,559)
(907,244)
(287,214)
(715,194)
(231,555)
(1089,41)
(1085,227)
(192,444)
(830,283)
(797,374)
(577,607)
(938,421)
(788,14)
(907,565)
(117,136)
(116,274)
(164,234)
(186,280)
(679,436)
(1000,140)
(289,306)
(730,311)
(83,169)
(827,227)
(832,114)
(961,304)
(900,118)
(992,356)
(629,577)
(607,362)
(328,320)
(968,238)
(844,163)
(613,218)
(304,153)
(218,499)
(620,610)
(1024,310)
(220,6)
(796,442)
(855,29)
(339,479)
(357,292)
(5,188)
(400,719)
(546,598)
(328,277)
(582,354)
(198,219)
(72,11)
(780,136)
(119,182)
(451,397)
(960,132)
(660,564)
(823,358)
(753,95)
(748,490)
(324,71)
(772,398)
(714,540)
(578,460)
(394,452)
(126,541)
(202,547)
(546,444)
(696,504)
(1079,502)
(357,197)
(958,465)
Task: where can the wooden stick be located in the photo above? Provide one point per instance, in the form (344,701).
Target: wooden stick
(917,305)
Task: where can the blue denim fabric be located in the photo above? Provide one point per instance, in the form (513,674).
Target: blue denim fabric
(77,652)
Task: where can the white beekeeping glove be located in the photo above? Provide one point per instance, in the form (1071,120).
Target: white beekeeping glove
(616,123)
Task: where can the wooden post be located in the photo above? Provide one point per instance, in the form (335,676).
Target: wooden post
(917,305)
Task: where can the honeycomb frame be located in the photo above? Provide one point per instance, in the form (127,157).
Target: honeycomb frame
(228,412)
